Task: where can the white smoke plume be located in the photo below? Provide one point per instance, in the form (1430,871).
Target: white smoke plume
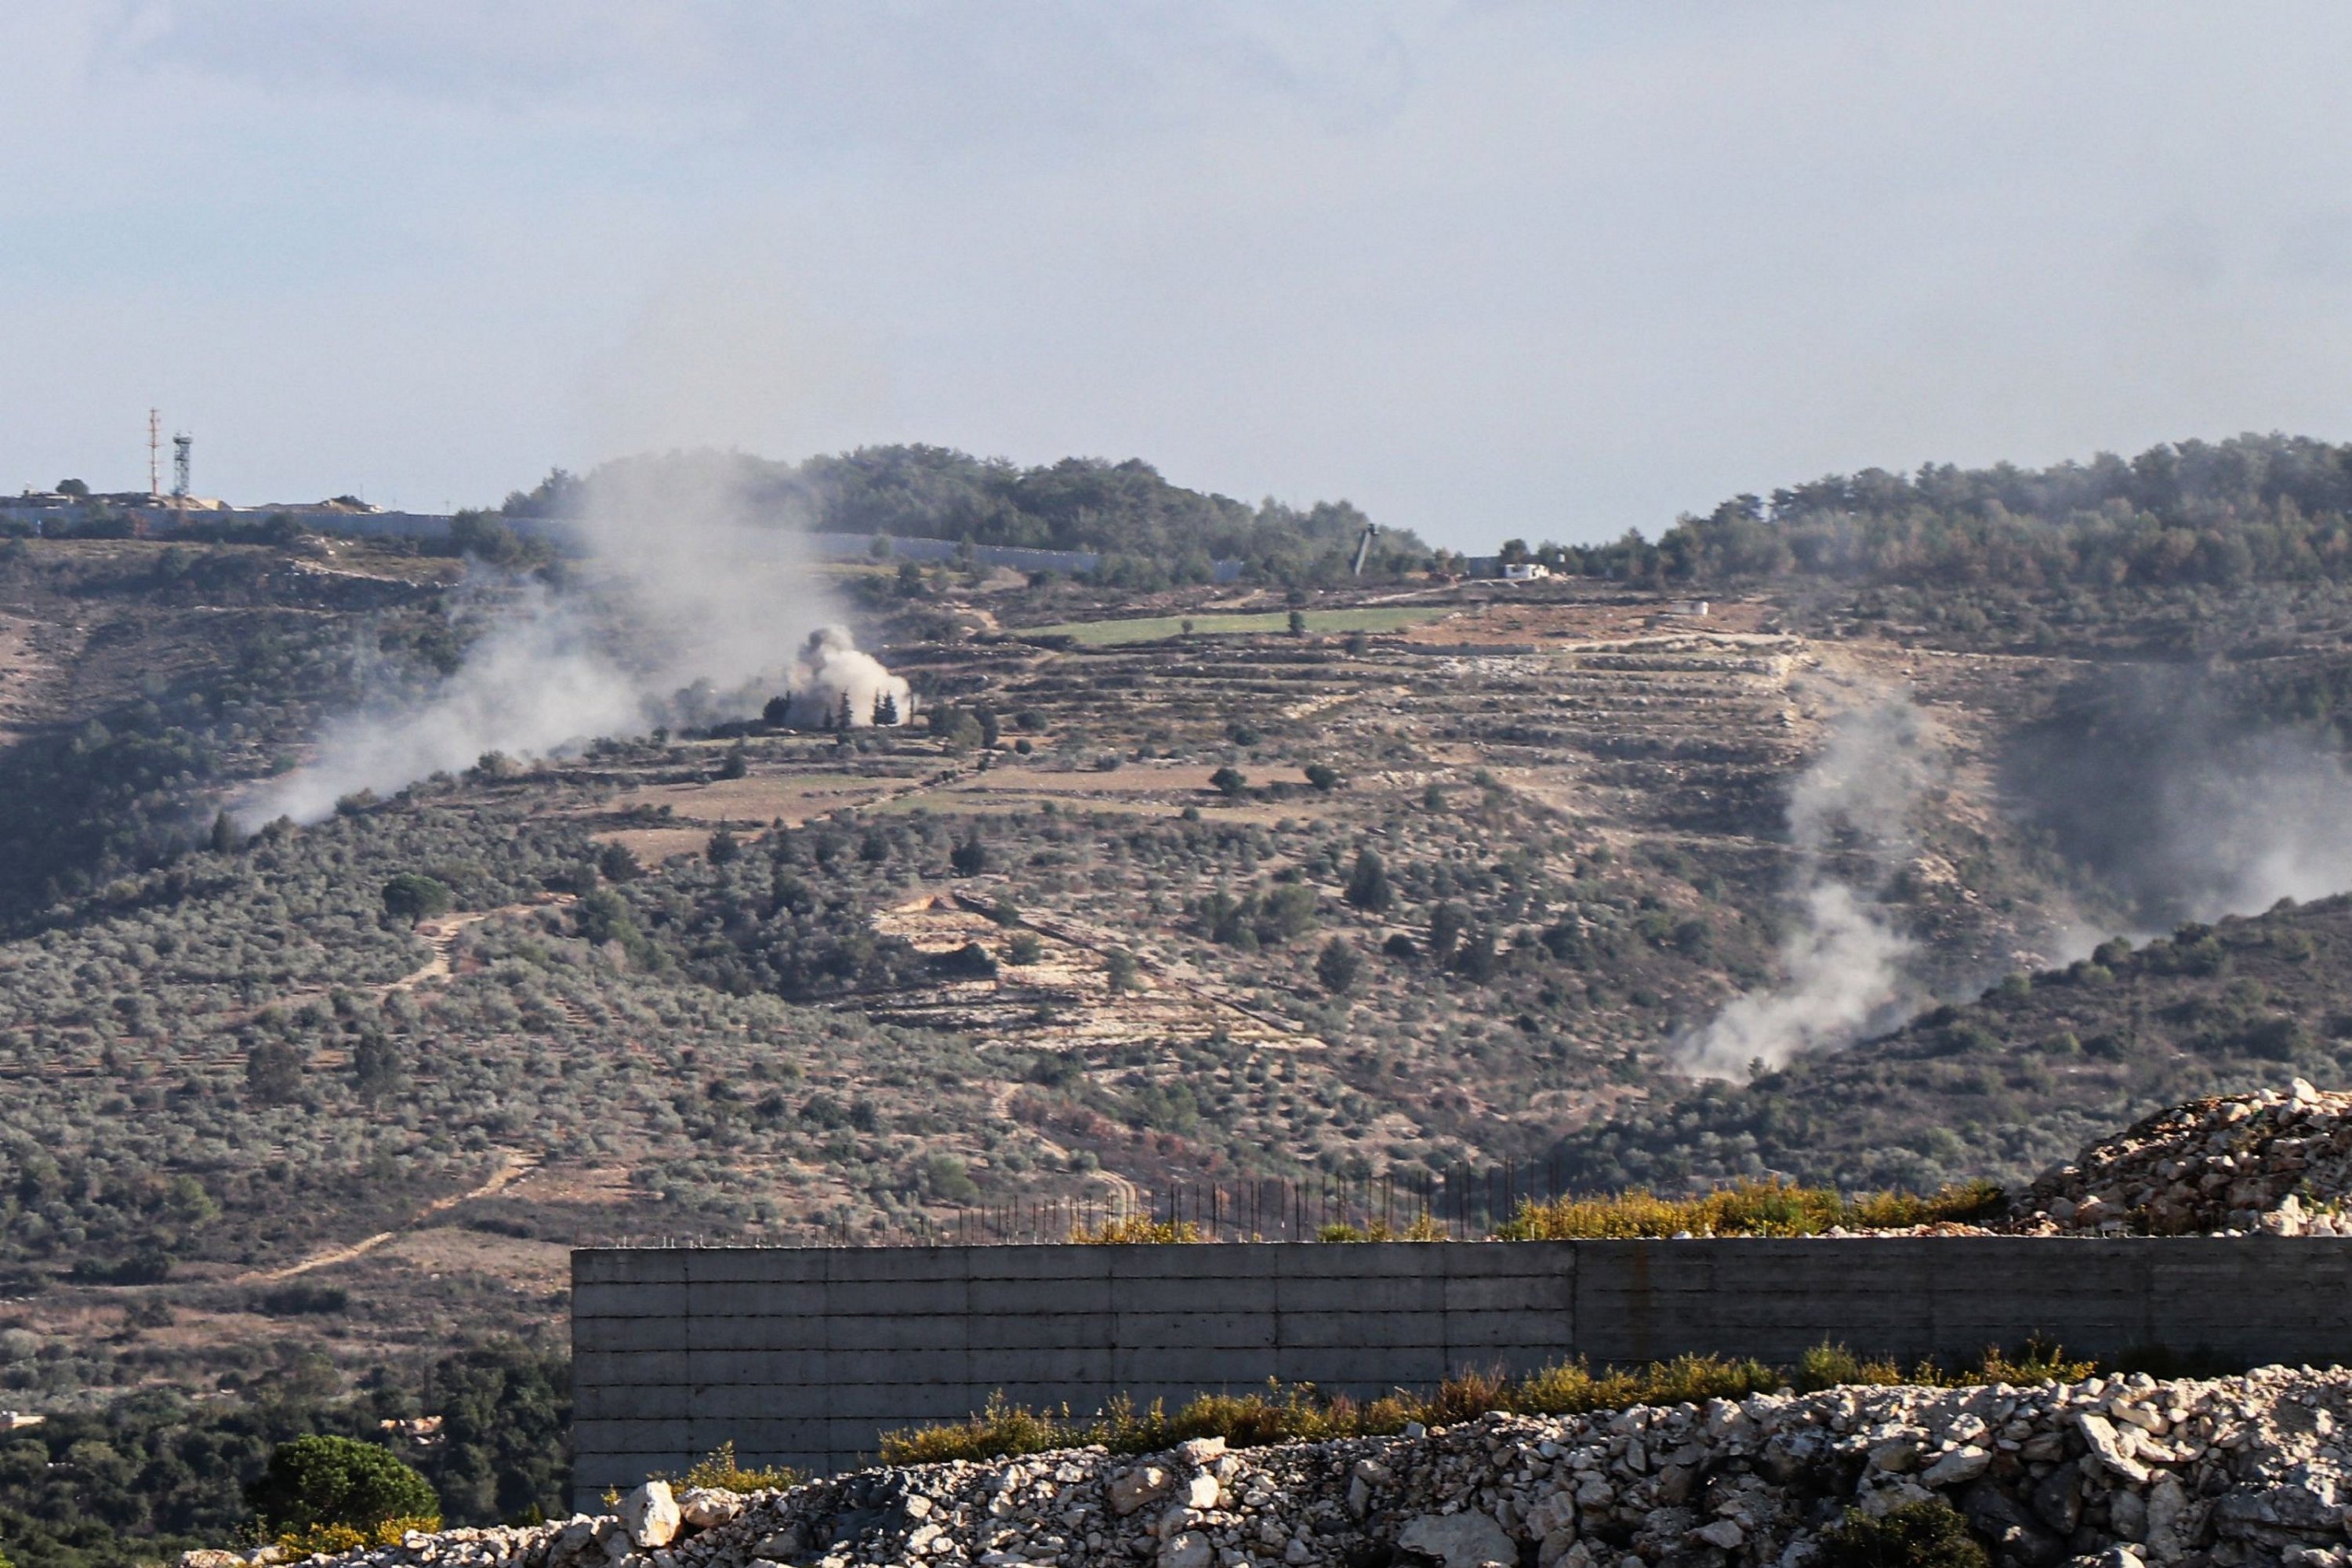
(688,596)
(832,678)
(2185,800)
(531,685)
(2260,820)
(1843,964)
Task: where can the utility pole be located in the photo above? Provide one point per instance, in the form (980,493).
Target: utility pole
(180,445)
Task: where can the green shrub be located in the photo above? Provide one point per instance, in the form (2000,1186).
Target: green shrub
(334,1540)
(1768,1207)
(1423,1226)
(719,1469)
(1928,1534)
(1336,966)
(1136,1230)
(1834,1366)
(315,1482)
(1300,1413)
(413,897)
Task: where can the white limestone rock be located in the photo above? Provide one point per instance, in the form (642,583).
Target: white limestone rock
(1466,1540)
(650,1515)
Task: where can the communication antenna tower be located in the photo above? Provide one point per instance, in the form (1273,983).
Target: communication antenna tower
(180,445)
(155,454)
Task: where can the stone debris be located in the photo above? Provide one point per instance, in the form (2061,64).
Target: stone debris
(2273,1163)
(651,1516)
(2121,1472)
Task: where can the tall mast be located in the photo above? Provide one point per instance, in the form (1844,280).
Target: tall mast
(155,454)
(180,445)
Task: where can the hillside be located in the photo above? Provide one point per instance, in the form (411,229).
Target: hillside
(1153,890)
(139,682)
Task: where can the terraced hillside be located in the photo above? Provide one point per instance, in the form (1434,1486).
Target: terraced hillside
(1108,916)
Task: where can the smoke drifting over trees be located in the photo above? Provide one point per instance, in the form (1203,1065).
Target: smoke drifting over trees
(2190,793)
(1849,817)
(1148,530)
(689,593)
(2178,793)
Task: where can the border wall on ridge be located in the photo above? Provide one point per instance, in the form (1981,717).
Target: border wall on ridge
(804,1356)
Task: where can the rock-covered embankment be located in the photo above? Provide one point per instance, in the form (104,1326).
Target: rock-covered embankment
(2238,1470)
(2272,1162)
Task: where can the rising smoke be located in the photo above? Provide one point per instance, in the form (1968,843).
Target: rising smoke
(2186,795)
(1849,818)
(688,593)
(2177,792)
(832,680)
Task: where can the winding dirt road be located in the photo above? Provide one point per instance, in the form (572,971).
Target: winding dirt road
(516,1166)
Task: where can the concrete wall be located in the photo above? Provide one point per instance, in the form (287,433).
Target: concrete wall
(804,1356)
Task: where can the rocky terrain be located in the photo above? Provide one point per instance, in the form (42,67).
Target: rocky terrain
(2277,1162)
(2239,1471)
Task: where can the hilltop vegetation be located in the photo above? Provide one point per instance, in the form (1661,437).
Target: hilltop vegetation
(2252,508)
(1150,532)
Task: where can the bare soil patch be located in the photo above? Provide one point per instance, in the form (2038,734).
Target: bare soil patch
(652,846)
(757,798)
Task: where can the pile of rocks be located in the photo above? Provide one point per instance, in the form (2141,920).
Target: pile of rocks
(2275,1163)
(2118,1472)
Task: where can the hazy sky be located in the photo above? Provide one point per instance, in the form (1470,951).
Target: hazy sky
(1485,269)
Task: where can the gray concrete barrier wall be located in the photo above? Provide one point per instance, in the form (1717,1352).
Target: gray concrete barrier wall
(805,1356)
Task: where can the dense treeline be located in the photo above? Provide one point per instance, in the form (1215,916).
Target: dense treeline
(1148,530)
(2252,508)
(154,1473)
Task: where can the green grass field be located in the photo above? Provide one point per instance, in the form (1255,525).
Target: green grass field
(1111,634)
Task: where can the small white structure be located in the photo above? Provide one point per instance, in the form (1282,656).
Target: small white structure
(12,1420)
(1525,571)
(1694,607)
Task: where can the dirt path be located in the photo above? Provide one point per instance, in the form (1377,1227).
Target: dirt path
(441,936)
(517,1166)
(1126,1197)
(1124,1193)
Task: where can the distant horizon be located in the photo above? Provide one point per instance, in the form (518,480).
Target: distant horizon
(1485,271)
(1475,548)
